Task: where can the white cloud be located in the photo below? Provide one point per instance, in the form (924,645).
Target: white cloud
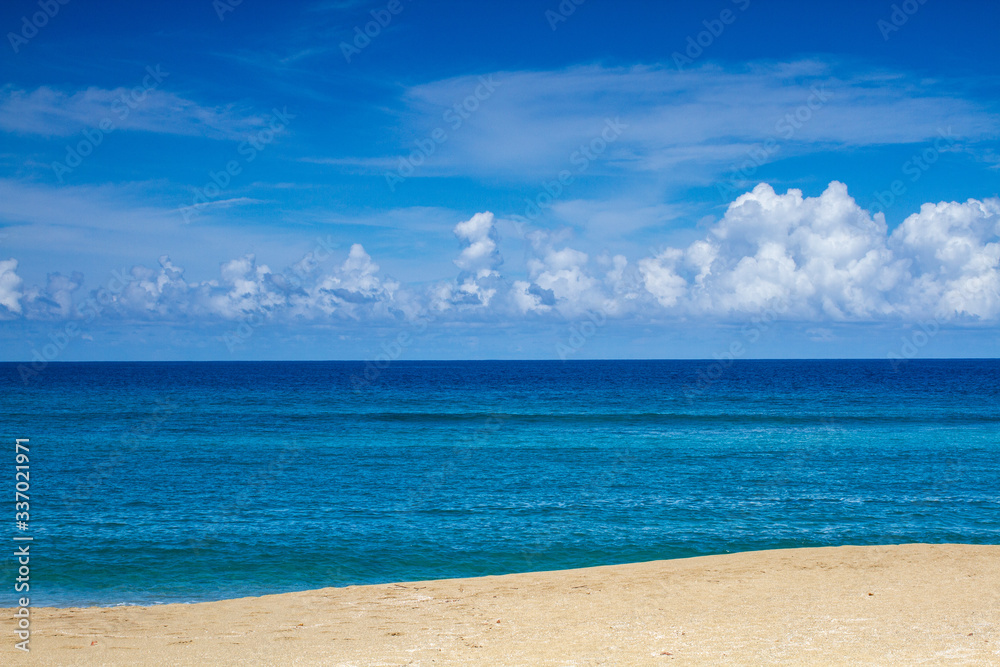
(569,282)
(817,259)
(478,281)
(480,257)
(10,288)
(55,301)
(250,290)
(827,259)
(528,297)
(661,277)
(563,273)
(955,256)
(354,290)
(245,289)
(163,293)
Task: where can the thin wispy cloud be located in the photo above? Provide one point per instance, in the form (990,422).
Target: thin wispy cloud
(694,122)
(50,112)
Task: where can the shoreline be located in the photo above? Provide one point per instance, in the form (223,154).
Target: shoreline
(933,603)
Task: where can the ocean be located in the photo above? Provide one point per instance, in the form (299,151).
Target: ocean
(183,482)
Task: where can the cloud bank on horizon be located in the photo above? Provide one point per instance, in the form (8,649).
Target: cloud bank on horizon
(810,259)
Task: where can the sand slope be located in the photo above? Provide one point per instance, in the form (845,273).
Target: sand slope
(889,605)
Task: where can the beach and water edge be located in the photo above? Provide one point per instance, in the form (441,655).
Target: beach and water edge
(508,513)
(898,604)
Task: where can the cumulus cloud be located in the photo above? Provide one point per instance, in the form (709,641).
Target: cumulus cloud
(354,290)
(479,279)
(244,289)
(813,259)
(821,257)
(826,258)
(954,251)
(10,289)
(559,280)
(55,300)
(817,259)
(568,282)
(480,256)
(162,293)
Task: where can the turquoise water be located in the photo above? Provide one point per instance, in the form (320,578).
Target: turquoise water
(162,482)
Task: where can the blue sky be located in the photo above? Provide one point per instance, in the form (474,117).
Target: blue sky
(209,180)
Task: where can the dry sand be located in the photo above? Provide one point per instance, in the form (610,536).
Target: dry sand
(888,605)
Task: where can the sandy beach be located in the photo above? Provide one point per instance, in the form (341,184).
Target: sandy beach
(884,605)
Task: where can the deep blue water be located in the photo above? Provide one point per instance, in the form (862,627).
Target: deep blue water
(158,482)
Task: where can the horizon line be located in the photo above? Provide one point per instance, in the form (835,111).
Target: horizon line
(561,361)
